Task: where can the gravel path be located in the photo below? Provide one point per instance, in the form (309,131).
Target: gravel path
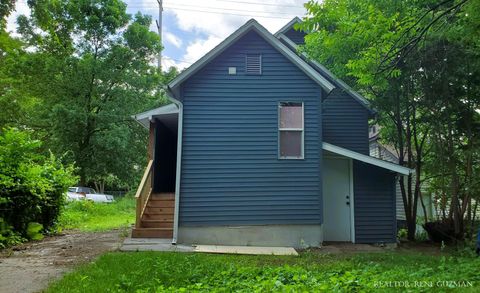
(32,266)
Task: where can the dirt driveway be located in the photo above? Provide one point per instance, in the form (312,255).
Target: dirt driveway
(31,267)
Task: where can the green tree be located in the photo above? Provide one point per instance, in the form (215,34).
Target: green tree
(90,69)
(32,185)
(382,48)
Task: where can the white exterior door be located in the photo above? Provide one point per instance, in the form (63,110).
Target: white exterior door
(337,200)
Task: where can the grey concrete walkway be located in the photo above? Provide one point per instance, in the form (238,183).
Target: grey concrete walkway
(153,244)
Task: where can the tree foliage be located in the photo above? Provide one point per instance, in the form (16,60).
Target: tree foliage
(32,185)
(83,69)
(417,61)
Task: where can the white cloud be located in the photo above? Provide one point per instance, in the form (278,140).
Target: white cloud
(208,29)
(172,39)
(20,8)
(211,28)
(198,48)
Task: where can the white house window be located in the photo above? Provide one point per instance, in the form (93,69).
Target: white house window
(290,130)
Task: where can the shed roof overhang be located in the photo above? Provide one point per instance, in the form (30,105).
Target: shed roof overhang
(165,112)
(252,24)
(366,159)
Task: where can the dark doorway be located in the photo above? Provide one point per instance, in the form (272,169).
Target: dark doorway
(165,156)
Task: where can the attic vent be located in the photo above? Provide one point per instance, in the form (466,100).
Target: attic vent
(253,64)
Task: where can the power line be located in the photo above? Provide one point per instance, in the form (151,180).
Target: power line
(216,9)
(179,60)
(224,13)
(219,12)
(256,3)
(248,3)
(232,9)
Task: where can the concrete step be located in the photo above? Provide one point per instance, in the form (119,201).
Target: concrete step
(152,232)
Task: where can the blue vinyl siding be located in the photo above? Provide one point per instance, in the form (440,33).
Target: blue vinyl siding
(345,122)
(375,216)
(297,37)
(231,173)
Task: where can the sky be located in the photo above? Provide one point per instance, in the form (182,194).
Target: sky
(192,28)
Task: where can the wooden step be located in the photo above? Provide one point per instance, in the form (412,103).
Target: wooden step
(152,233)
(157,224)
(158,217)
(161,203)
(159,210)
(162,196)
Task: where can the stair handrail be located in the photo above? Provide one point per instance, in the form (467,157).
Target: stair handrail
(143,193)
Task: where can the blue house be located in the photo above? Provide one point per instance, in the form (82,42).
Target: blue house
(262,146)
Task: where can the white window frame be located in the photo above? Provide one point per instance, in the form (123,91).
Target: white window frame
(302,156)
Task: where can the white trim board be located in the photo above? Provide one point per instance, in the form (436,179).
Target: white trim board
(145,117)
(252,24)
(366,159)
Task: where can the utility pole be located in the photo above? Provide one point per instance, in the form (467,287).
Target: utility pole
(159,27)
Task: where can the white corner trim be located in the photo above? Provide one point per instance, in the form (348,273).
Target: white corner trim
(276,43)
(178,166)
(352,202)
(366,159)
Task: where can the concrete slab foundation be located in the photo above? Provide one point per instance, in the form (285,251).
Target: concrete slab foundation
(153,244)
(296,236)
(255,250)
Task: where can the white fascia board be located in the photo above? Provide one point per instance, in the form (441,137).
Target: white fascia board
(145,117)
(366,159)
(364,102)
(252,24)
(289,25)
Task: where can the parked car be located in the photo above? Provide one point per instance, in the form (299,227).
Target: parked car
(86,193)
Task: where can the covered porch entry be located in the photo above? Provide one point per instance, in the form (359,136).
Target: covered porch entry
(155,196)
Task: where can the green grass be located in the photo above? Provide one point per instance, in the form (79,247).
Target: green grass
(89,216)
(310,272)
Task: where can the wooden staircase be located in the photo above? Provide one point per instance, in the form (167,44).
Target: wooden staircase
(154,211)
(157,218)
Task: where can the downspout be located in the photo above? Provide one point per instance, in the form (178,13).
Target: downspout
(179,104)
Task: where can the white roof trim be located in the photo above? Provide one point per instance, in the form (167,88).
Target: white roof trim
(289,25)
(366,159)
(364,102)
(145,117)
(252,24)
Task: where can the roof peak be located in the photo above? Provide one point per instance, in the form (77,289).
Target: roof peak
(251,24)
(289,25)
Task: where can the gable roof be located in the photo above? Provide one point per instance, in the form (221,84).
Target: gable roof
(323,70)
(288,26)
(366,159)
(252,24)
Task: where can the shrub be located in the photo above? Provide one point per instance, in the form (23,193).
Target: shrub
(32,185)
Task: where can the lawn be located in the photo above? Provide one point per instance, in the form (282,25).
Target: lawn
(309,272)
(88,216)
